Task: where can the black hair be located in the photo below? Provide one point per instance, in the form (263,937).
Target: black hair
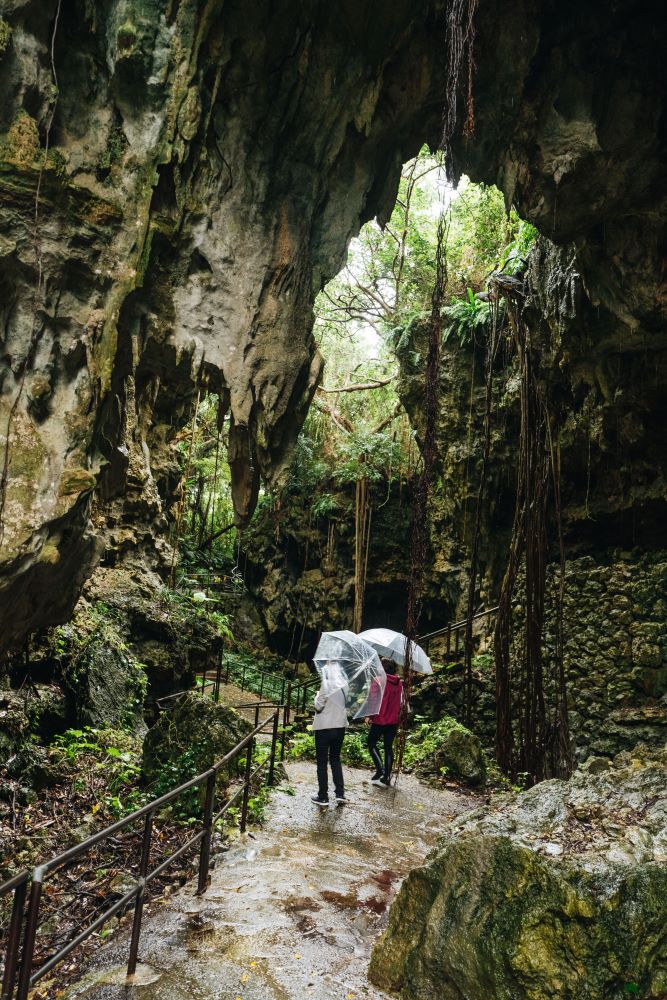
(389,666)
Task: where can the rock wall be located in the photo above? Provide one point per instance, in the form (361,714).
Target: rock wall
(208,163)
(615,655)
(299,567)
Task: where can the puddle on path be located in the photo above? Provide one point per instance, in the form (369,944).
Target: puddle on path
(291,913)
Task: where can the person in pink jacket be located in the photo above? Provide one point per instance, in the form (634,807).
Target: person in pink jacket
(384,726)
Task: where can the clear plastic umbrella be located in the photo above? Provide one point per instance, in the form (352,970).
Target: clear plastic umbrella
(346,663)
(392,645)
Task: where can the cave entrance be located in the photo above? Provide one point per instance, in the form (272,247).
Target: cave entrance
(331,547)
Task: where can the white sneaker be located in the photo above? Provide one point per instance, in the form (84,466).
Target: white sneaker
(322,803)
(341,800)
(379,782)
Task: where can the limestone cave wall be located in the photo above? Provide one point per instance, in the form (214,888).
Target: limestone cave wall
(207,166)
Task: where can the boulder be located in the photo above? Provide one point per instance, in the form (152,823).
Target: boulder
(189,737)
(104,684)
(557,892)
(447,747)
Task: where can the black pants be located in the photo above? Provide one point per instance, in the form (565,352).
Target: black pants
(387,734)
(328,745)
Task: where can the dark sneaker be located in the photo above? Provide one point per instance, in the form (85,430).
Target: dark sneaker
(380,782)
(341,800)
(385,782)
(322,803)
(376,776)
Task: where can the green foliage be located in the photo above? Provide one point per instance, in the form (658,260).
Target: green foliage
(203,542)
(5,34)
(466,316)
(113,152)
(302,746)
(517,250)
(221,623)
(366,454)
(112,754)
(326,505)
(354,753)
(175,772)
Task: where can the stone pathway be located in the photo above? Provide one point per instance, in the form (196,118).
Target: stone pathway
(292,910)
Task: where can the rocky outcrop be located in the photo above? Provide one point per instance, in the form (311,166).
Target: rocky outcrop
(559,891)
(208,164)
(188,738)
(446,748)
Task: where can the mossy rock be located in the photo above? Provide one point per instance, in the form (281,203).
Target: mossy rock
(38,767)
(47,711)
(105,685)
(190,737)
(22,140)
(447,747)
(13,723)
(557,892)
(5,35)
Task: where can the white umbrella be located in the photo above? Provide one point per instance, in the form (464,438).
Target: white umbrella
(392,645)
(347,663)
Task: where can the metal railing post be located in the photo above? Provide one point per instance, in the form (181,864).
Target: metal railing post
(30,934)
(261,684)
(246,786)
(243,678)
(205,852)
(288,704)
(139,901)
(14,941)
(282,691)
(274,744)
(449,639)
(218,677)
(256,715)
(283,736)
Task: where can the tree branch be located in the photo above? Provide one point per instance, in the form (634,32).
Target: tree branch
(216,534)
(358,386)
(339,420)
(387,420)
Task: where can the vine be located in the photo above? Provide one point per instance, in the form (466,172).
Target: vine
(459,37)
(536,742)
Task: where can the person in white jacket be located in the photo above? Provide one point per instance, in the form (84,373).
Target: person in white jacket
(329,727)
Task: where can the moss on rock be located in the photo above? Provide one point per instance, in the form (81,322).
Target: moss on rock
(446,747)
(559,892)
(22,140)
(191,736)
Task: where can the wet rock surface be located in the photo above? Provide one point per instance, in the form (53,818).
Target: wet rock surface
(291,912)
(190,735)
(560,891)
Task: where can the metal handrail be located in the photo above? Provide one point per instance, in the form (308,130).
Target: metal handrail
(454,626)
(18,884)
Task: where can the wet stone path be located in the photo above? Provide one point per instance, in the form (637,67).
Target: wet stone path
(293,909)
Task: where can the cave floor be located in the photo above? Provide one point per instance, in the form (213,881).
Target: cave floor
(293,908)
